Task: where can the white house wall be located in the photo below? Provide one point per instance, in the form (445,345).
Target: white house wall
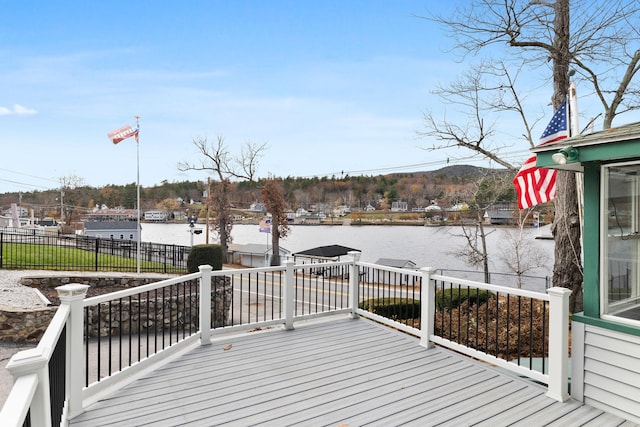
(609,377)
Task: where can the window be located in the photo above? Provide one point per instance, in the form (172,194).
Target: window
(620,283)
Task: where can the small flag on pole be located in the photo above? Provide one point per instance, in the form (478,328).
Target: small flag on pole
(123,133)
(265,226)
(538,185)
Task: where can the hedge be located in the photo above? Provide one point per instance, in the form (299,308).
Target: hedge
(202,255)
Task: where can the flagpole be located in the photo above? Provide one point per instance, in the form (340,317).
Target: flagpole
(138,193)
(575,130)
(573,110)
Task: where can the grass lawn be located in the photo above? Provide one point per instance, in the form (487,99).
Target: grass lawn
(50,257)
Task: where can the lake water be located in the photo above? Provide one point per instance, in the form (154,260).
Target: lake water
(425,246)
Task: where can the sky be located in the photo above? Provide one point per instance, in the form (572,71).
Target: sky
(331,87)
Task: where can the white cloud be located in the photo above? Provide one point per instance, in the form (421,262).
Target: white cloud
(18,110)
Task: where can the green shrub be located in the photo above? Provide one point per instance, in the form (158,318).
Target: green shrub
(393,308)
(453,297)
(204,254)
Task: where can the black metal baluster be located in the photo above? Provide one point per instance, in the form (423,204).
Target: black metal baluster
(98,344)
(147,322)
(519,328)
(87,322)
(139,328)
(531,340)
(508,324)
(155,320)
(120,334)
(545,333)
(163,317)
(130,330)
(497,350)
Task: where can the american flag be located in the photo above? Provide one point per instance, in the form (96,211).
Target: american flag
(123,133)
(538,185)
(265,226)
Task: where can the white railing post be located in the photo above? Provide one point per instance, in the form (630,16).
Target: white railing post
(427,307)
(72,295)
(354,279)
(205,304)
(558,343)
(33,361)
(289,282)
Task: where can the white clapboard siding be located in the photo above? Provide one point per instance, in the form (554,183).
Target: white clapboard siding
(612,372)
(331,372)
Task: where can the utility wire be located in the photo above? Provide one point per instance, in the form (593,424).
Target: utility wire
(451,160)
(26,184)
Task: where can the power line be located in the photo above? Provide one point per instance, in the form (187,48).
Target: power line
(472,158)
(30,176)
(26,184)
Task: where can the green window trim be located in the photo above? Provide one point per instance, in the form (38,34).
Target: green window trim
(606,324)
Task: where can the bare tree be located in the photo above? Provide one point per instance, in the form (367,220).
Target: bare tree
(483,193)
(601,43)
(273,199)
(600,40)
(518,252)
(69,197)
(481,92)
(216,160)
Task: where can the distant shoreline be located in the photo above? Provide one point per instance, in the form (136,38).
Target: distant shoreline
(356,223)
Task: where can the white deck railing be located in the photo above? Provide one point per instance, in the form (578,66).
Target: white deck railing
(292,293)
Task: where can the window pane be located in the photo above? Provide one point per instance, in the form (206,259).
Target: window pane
(622,241)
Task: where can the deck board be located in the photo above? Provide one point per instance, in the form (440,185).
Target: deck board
(332,372)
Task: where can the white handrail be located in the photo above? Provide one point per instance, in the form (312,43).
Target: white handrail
(18,402)
(489,287)
(139,289)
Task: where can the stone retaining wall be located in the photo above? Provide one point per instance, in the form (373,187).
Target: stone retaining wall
(19,324)
(175,312)
(140,313)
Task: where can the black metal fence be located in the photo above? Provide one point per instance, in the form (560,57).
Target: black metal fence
(35,249)
(123,331)
(510,327)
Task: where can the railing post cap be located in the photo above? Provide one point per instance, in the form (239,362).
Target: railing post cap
(289,262)
(559,291)
(72,290)
(428,269)
(205,267)
(26,361)
(355,255)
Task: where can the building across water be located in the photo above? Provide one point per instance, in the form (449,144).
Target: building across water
(115,223)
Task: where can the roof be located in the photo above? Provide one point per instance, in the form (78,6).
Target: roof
(612,144)
(398,263)
(619,133)
(110,225)
(330,251)
(254,248)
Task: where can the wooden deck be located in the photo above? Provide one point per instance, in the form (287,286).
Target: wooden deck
(338,372)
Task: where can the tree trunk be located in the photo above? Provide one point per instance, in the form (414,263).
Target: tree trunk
(485,254)
(567,269)
(275,242)
(224,239)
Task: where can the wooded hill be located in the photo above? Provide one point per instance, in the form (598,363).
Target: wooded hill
(446,187)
